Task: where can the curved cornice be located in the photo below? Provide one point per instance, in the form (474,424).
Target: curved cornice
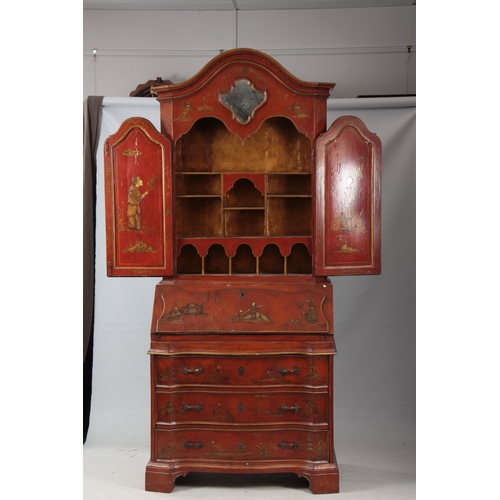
(249,57)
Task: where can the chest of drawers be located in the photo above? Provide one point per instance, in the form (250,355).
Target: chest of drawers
(259,399)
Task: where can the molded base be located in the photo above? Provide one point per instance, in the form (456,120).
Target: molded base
(322,477)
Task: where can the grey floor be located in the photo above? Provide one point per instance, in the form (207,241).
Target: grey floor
(368,470)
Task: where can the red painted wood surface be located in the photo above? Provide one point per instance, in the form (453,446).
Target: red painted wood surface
(257,371)
(223,306)
(228,407)
(138,196)
(250,398)
(215,445)
(304,103)
(348,200)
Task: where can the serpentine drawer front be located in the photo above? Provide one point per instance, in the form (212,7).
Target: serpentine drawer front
(261,407)
(266,445)
(253,371)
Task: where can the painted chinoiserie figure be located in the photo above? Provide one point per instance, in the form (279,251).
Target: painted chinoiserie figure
(134,203)
(244,204)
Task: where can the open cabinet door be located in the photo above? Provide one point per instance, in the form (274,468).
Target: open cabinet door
(138,195)
(347,213)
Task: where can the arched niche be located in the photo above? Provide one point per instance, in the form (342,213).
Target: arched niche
(244,262)
(216,261)
(244,193)
(300,260)
(189,261)
(271,261)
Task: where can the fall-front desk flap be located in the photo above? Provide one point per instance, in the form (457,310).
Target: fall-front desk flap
(270,306)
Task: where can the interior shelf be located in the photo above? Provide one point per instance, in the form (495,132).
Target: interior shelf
(199,216)
(289,216)
(289,184)
(198,184)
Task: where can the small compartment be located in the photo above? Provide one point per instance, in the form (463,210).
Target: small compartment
(299,261)
(244,222)
(197,184)
(193,151)
(288,184)
(189,260)
(289,216)
(271,261)
(244,194)
(244,262)
(199,216)
(216,261)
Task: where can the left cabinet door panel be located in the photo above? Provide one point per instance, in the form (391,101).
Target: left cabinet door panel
(138,194)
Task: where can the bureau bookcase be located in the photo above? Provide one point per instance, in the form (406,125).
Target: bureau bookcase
(243,203)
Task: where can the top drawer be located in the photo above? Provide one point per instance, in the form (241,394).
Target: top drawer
(243,305)
(257,371)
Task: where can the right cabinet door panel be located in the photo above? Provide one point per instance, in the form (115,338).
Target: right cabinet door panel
(347,212)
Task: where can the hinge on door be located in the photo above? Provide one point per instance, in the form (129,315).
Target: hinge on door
(106,147)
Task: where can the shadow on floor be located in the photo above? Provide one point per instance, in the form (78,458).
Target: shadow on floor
(207,479)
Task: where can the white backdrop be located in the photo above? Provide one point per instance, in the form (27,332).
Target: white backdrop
(374,315)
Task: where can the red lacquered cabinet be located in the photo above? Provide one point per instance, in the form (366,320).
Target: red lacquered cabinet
(243,204)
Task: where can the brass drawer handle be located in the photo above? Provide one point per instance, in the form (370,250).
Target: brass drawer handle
(284,445)
(189,445)
(196,371)
(196,407)
(295,408)
(293,371)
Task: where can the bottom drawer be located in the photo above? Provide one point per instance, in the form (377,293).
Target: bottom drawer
(208,444)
